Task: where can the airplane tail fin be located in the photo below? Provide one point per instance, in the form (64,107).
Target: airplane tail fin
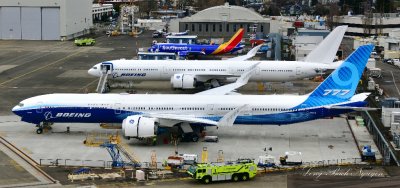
(231,44)
(342,83)
(326,50)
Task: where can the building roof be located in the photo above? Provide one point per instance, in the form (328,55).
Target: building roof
(226,13)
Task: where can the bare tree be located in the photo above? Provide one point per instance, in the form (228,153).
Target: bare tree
(203,4)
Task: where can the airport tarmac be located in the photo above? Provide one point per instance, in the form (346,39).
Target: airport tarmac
(319,140)
(30,68)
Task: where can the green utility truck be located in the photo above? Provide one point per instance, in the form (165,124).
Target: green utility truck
(85,42)
(242,169)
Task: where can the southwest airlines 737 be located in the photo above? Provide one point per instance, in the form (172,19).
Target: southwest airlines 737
(188,74)
(232,45)
(144,115)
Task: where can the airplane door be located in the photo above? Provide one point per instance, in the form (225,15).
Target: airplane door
(106,67)
(298,71)
(40,109)
(117,108)
(247,111)
(210,109)
(165,70)
(258,71)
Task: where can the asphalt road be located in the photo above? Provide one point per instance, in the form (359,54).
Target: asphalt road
(30,68)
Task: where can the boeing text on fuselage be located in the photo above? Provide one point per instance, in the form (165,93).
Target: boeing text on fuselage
(117,75)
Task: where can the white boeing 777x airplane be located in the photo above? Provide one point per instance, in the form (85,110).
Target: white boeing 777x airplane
(190,74)
(144,115)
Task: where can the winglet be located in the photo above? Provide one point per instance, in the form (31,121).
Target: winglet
(244,78)
(229,118)
(249,54)
(241,81)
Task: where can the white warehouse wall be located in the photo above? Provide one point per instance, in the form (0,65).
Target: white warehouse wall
(75,15)
(78,16)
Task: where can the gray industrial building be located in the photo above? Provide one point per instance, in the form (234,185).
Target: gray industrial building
(44,19)
(224,21)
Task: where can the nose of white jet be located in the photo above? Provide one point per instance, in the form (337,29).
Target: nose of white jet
(15,109)
(94,71)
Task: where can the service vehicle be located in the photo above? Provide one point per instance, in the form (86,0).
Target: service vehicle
(85,42)
(242,169)
(189,159)
(175,161)
(266,161)
(291,158)
(368,154)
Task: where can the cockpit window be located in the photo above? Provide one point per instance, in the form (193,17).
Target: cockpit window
(94,67)
(21,104)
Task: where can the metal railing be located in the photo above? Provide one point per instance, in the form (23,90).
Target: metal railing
(380,141)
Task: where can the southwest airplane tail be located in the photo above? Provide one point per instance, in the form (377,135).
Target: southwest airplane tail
(231,44)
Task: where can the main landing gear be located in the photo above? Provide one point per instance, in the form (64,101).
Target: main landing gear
(43,125)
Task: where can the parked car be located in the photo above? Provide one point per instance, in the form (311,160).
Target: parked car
(396,62)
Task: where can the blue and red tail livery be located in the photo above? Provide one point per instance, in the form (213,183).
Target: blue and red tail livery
(232,45)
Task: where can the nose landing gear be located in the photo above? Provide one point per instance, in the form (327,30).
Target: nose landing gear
(42,126)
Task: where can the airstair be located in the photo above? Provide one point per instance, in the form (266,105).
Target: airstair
(101,86)
(116,152)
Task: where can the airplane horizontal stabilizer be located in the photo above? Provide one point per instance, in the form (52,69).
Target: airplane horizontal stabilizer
(352,108)
(242,80)
(249,54)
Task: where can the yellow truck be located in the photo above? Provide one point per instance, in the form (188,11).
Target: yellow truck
(242,169)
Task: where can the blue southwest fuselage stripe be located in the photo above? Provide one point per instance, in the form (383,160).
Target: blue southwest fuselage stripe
(189,48)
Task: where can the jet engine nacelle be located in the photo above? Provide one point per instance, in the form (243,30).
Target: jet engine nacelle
(139,127)
(183,81)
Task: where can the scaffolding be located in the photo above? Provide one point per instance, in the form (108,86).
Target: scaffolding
(153,163)
(116,152)
(204,155)
(95,139)
(220,158)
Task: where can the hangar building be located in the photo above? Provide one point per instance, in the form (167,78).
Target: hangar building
(44,19)
(224,21)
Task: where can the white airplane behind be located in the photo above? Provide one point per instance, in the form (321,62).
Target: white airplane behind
(143,115)
(187,74)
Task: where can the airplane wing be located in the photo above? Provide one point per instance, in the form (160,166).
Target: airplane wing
(226,120)
(182,118)
(249,54)
(226,89)
(352,108)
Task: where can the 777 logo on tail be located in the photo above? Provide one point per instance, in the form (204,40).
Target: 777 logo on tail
(335,92)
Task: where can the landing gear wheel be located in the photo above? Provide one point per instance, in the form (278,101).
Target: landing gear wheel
(215,83)
(39,131)
(195,139)
(245,177)
(235,177)
(207,180)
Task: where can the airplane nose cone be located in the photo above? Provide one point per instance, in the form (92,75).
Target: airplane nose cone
(15,109)
(93,72)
